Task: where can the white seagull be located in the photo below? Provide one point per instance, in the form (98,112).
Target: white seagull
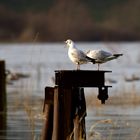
(77,56)
(101,56)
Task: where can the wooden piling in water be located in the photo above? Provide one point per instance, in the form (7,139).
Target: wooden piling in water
(48,111)
(3,104)
(2,86)
(65,118)
(63,122)
(80,114)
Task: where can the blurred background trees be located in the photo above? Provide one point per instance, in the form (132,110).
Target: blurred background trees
(57,20)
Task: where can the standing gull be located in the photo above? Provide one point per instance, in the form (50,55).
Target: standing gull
(101,56)
(77,56)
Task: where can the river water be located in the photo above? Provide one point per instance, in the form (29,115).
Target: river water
(118,119)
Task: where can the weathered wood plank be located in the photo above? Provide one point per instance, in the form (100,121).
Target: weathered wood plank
(80,78)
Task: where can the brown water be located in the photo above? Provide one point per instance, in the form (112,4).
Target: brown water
(25,96)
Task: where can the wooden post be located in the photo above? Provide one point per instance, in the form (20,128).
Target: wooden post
(3,105)
(69,106)
(56,116)
(2,86)
(48,125)
(80,114)
(63,122)
(48,110)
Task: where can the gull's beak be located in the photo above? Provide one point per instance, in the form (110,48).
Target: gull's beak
(65,44)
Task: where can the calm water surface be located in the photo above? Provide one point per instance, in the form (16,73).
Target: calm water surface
(25,96)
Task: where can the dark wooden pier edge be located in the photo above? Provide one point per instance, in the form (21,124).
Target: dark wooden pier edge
(3,103)
(65,105)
